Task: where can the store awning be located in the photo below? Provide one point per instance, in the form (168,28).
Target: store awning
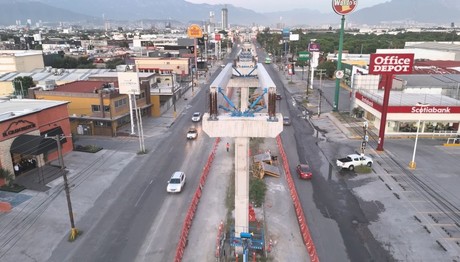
(32,145)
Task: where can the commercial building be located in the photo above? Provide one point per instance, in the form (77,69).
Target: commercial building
(28,132)
(96,107)
(20,60)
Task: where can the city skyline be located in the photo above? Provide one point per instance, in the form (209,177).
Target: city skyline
(263,6)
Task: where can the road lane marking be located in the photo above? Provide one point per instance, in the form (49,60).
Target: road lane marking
(143,192)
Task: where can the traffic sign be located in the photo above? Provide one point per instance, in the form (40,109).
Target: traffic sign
(339,74)
(304,56)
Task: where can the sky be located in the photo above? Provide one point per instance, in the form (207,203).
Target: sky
(262,6)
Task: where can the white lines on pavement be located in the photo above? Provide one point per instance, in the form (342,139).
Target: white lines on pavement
(143,192)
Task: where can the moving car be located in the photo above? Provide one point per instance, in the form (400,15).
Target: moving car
(353,160)
(304,171)
(196,117)
(286,121)
(278,97)
(192,133)
(176,182)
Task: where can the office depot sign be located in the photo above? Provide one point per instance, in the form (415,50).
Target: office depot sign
(381,64)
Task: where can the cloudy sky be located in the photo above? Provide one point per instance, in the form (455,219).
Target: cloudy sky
(324,6)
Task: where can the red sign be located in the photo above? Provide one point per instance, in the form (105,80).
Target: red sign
(343,7)
(381,64)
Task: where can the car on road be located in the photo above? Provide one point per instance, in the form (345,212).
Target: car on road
(176,182)
(196,117)
(286,121)
(278,97)
(353,160)
(192,133)
(304,171)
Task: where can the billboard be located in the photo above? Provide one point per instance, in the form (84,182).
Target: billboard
(128,83)
(194,31)
(286,33)
(343,7)
(313,47)
(381,64)
(294,37)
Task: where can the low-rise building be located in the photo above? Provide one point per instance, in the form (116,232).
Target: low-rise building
(96,107)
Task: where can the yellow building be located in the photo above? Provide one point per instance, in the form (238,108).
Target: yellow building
(96,107)
(20,60)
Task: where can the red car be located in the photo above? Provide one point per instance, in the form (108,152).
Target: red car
(304,171)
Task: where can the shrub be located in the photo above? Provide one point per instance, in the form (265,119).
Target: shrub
(257,189)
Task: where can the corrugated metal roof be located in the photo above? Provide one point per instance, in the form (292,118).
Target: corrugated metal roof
(398,98)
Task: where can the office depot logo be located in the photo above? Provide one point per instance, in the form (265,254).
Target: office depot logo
(391,64)
(430,110)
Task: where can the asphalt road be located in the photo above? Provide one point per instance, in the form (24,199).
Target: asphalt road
(135,219)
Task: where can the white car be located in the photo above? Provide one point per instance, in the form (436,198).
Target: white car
(192,133)
(196,117)
(176,182)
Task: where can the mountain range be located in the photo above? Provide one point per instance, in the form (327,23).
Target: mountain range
(423,11)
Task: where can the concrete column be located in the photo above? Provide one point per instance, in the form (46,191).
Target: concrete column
(241,185)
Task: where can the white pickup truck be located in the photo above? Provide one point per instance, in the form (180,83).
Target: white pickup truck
(353,160)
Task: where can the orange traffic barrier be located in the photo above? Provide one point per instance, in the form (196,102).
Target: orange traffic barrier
(5,207)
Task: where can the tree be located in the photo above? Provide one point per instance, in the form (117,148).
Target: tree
(22,84)
(112,64)
(329,66)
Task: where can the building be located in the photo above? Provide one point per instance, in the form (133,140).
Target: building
(27,130)
(224,18)
(171,65)
(59,75)
(20,60)
(96,107)
(431,99)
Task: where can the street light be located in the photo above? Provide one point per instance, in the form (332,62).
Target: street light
(412,164)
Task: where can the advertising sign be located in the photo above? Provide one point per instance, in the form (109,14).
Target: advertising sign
(313,47)
(381,64)
(294,37)
(128,83)
(344,7)
(286,33)
(194,31)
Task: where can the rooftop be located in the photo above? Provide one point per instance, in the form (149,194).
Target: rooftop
(17,107)
(82,86)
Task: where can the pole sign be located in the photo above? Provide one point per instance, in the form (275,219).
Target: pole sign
(286,33)
(194,31)
(381,64)
(344,7)
(313,47)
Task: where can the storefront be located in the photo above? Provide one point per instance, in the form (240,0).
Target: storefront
(30,131)
(438,114)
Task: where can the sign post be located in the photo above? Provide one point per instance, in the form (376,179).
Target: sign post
(341,7)
(386,65)
(194,31)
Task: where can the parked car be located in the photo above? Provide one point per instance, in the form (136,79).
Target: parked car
(192,133)
(176,182)
(196,117)
(304,171)
(353,160)
(286,121)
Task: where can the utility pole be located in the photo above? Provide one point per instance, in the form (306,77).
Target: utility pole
(73,229)
(321,72)
(365,137)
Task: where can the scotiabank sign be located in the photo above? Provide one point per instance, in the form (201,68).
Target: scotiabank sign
(381,64)
(409,109)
